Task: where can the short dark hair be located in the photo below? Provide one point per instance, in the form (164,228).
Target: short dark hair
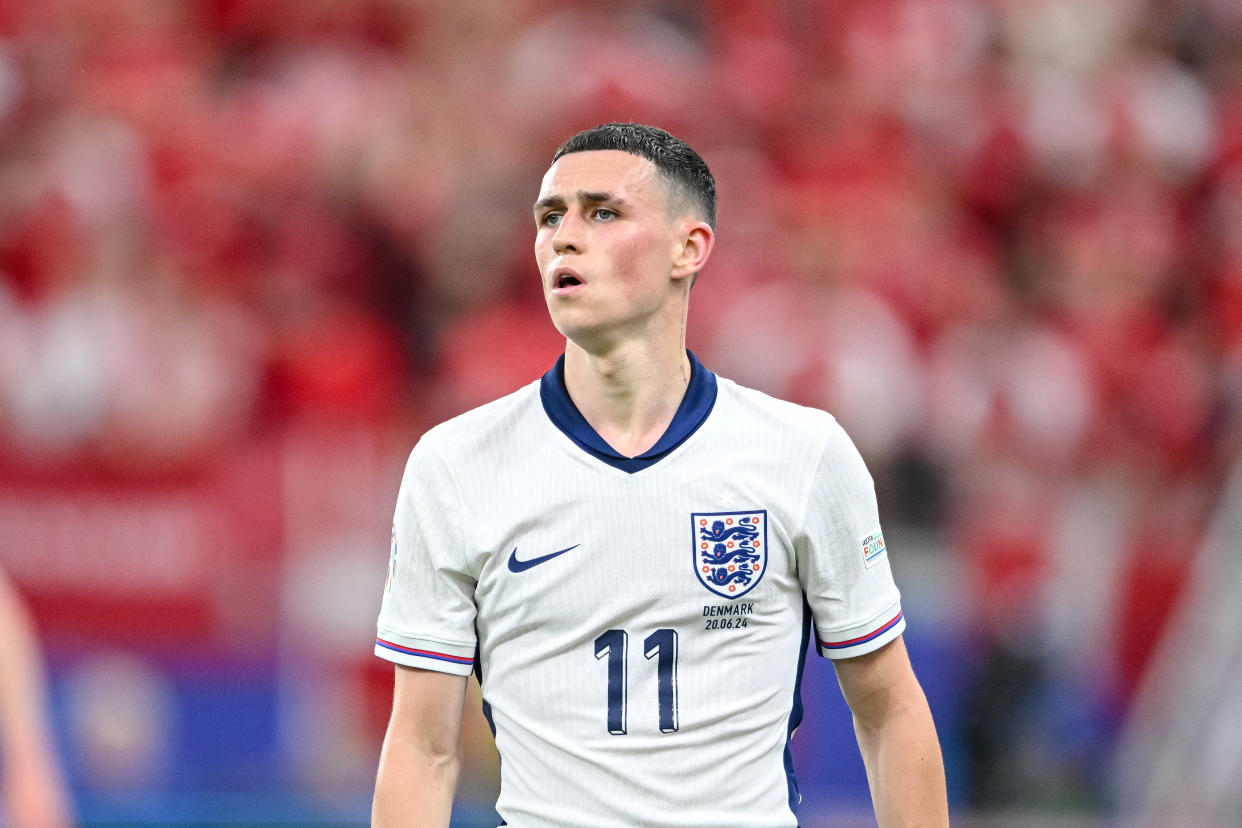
(677,162)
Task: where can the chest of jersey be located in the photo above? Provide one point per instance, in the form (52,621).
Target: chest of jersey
(646,604)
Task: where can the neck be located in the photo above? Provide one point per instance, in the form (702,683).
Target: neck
(629,393)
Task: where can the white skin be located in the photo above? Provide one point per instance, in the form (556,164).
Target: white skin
(34,794)
(617,251)
(612,221)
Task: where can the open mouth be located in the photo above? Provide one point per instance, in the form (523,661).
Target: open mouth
(564,278)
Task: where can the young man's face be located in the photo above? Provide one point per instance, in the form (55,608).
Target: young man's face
(606,245)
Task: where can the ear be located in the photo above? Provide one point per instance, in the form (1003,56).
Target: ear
(696,245)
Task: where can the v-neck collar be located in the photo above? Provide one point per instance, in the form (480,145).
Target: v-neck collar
(697,403)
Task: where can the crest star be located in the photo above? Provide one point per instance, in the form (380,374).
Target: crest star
(726,498)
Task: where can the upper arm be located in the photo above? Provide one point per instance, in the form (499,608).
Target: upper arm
(426,621)
(842,562)
(878,684)
(427,708)
(427,613)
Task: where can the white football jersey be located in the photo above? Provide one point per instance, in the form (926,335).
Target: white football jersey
(638,625)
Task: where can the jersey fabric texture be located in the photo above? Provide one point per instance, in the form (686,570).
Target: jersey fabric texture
(638,625)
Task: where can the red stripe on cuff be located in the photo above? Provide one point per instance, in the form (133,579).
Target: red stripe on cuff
(425,653)
(862,639)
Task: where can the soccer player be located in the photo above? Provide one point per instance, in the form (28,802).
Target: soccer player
(634,554)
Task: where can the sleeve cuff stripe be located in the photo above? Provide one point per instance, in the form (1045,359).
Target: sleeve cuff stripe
(862,639)
(425,653)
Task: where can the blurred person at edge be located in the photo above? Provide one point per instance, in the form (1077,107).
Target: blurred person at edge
(33,792)
(634,674)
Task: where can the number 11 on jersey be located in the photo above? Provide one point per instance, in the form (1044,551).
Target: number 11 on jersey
(660,645)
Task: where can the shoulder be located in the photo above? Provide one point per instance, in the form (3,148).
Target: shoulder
(796,435)
(478,429)
(751,409)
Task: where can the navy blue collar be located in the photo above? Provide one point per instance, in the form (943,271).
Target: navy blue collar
(695,406)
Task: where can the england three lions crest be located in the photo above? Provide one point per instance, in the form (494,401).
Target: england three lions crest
(730,550)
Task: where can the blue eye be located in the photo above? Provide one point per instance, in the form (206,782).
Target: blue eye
(551,220)
(604,214)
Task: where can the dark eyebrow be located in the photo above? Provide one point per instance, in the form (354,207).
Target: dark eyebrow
(588,197)
(548,202)
(584,196)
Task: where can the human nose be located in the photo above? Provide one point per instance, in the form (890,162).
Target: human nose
(568,235)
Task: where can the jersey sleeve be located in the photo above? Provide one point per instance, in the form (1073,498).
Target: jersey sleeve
(842,560)
(427,614)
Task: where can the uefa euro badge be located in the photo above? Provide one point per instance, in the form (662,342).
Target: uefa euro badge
(730,550)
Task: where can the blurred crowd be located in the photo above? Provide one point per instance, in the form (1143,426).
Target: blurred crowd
(1001,240)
